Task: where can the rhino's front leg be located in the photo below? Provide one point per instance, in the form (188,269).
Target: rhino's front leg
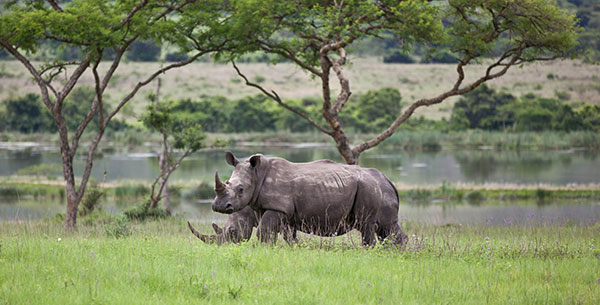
(289,234)
(271,224)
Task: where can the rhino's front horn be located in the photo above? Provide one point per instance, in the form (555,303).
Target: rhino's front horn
(219,186)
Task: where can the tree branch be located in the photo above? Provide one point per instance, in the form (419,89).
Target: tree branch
(151,78)
(133,11)
(289,55)
(515,53)
(36,75)
(69,41)
(55,6)
(344,83)
(93,109)
(72,81)
(274,96)
(168,10)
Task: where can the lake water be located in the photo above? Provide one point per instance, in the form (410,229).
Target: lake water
(412,168)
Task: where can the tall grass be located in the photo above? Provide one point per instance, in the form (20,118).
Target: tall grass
(205,190)
(161,263)
(434,140)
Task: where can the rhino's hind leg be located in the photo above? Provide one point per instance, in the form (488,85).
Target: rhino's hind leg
(271,224)
(368,234)
(393,233)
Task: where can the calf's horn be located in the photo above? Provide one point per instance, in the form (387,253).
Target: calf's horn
(219,186)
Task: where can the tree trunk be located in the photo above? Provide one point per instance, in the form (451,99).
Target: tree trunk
(164,167)
(71,193)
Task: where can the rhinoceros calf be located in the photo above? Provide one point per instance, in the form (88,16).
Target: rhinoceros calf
(238,227)
(321,197)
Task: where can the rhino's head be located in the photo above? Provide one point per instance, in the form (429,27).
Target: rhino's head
(237,192)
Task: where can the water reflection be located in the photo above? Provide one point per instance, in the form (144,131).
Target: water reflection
(413,168)
(515,213)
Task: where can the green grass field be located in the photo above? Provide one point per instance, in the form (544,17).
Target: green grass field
(162,263)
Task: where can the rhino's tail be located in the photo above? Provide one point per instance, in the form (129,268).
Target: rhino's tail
(395,233)
(394,188)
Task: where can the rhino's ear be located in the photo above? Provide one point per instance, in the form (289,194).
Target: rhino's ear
(217,229)
(231,159)
(255,161)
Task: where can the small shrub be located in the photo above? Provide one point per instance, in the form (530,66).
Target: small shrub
(173,57)
(419,194)
(259,79)
(118,228)
(90,201)
(542,194)
(562,95)
(475,196)
(202,191)
(144,212)
(39,170)
(398,57)
(131,191)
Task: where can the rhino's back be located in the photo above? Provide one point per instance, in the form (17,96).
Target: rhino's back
(320,191)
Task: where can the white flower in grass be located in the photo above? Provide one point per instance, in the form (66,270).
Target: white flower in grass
(59,239)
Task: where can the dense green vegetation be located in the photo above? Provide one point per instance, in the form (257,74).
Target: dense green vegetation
(131,191)
(486,109)
(483,108)
(160,262)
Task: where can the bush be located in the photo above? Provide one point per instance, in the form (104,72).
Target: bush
(90,201)
(398,57)
(474,196)
(144,212)
(131,191)
(373,111)
(202,191)
(143,51)
(27,114)
(40,170)
(118,228)
(441,57)
(174,57)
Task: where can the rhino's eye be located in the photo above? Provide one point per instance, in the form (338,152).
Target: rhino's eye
(240,189)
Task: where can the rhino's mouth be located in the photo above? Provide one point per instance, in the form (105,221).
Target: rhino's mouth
(225,209)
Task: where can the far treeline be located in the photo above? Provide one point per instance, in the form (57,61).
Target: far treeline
(369,112)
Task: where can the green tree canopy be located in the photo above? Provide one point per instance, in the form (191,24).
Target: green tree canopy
(95,30)
(317,36)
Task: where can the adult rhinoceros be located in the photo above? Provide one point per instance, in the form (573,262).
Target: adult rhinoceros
(320,197)
(239,225)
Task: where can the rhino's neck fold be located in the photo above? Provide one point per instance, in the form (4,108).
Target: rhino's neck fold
(261,174)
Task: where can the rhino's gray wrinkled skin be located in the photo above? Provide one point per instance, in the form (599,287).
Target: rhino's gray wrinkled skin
(238,227)
(321,197)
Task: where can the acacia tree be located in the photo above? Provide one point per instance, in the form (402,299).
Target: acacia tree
(98,28)
(184,135)
(316,36)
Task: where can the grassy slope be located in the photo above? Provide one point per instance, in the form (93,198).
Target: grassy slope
(161,264)
(580,81)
